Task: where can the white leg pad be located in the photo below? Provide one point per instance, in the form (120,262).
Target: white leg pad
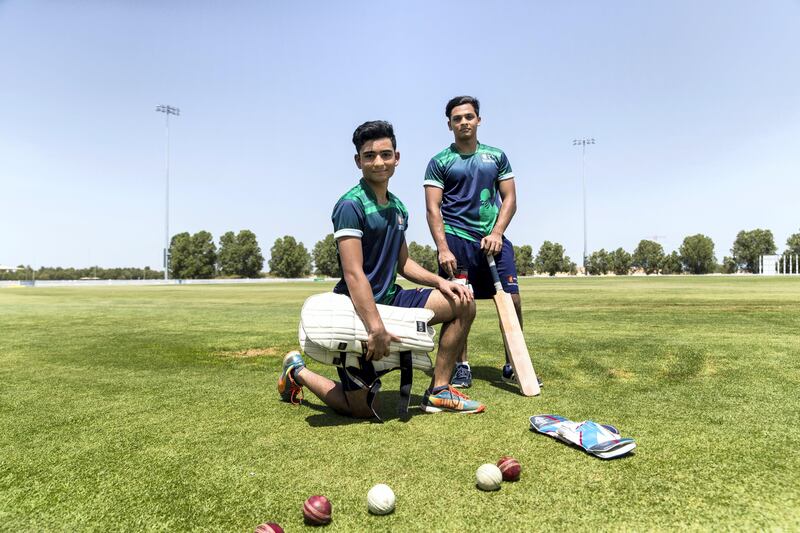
(330,320)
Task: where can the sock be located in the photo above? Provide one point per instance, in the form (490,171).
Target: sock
(436,390)
(466,364)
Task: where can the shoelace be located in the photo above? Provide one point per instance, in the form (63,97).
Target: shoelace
(456,392)
(295,390)
(462,372)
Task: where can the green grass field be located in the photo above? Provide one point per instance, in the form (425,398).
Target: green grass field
(155,408)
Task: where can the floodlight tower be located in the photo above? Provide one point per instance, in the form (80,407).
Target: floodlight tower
(167,110)
(582,143)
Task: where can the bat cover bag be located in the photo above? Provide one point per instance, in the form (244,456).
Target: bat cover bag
(600,440)
(332,333)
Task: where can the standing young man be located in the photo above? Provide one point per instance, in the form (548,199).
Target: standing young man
(369,227)
(462,186)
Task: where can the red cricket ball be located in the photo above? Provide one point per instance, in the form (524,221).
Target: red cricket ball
(317,510)
(269,527)
(510,468)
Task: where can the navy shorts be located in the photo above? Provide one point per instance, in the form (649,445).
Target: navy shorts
(411,298)
(353,379)
(471,258)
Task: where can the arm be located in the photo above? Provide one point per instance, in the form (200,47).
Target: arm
(361,294)
(433,204)
(508,193)
(412,271)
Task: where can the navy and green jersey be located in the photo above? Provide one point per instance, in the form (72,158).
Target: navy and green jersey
(469,184)
(382,230)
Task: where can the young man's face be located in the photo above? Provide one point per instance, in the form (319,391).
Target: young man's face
(464,122)
(377,160)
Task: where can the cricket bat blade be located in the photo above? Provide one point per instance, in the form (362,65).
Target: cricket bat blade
(515,343)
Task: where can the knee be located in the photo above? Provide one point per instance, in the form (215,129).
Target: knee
(466,311)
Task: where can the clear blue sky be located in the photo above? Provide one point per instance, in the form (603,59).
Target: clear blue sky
(694,106)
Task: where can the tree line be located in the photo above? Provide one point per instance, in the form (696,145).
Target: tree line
(26,272)
(695,255)
(239,256)
(191,257)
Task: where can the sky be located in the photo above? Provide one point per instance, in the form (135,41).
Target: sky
(694,106)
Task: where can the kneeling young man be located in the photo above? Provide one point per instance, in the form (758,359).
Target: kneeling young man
(369,227)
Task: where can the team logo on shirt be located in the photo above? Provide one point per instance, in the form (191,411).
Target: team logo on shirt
(487,158)
(400,221)
(486,201)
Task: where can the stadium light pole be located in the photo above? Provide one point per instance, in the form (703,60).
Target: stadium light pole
(167,110)
(582,143)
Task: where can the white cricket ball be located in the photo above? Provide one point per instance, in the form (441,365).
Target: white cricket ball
(488,477)
(380,499)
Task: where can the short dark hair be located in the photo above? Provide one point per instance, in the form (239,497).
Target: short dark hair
(461,100)
(374,129)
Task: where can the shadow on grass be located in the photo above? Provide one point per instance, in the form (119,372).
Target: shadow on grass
(387,409)
(493,376)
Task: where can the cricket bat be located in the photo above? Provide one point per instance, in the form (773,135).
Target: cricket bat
(512,336)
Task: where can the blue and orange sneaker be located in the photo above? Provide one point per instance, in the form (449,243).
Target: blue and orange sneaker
(451,400)
(288,388)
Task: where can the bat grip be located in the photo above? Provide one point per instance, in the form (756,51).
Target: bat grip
(495,276)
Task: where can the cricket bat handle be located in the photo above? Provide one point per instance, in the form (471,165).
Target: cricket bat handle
(495,276)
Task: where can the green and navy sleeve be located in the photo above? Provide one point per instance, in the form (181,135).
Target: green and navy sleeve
(434,175)
(348,219)
(504,171)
